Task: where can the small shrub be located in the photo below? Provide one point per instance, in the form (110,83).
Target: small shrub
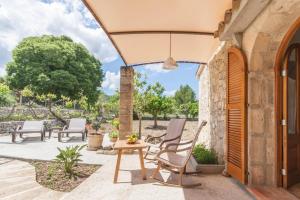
(69,104)
(115,123)
(69,157)
(75,114)
(114,134)
(96,125)
(204,155)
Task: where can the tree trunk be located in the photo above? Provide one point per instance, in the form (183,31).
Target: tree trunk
(20,99)
(155,121)
(55,114)
(140,126)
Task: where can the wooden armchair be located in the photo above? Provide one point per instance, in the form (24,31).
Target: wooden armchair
(169,159)
(173,135)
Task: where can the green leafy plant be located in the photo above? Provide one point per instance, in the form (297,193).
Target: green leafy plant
(115,123)
(96,125)
(204,155)
(89,120)
(69,157)
(114,134)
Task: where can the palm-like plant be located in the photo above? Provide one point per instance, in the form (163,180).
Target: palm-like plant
(69,157)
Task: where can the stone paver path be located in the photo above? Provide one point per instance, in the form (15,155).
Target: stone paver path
(130,186)
(17,182)
(17,178)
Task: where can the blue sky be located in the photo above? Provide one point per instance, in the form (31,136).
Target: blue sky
(19,19)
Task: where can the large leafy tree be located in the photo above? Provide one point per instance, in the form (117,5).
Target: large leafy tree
(55,65)
(185,99)
(184,95)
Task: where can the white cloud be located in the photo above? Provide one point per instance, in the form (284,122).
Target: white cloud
(19,19)
(170,93)
(158,67)
(111,80)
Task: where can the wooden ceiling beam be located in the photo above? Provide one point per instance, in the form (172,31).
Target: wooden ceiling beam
(160,32)
(236,4)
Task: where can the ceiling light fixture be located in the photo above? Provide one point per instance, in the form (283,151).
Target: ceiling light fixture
(170,63)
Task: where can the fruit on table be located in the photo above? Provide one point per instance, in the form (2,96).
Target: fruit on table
(132,138)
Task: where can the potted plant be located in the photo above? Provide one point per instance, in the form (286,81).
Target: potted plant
(113,136)
(95,137)
(205,160)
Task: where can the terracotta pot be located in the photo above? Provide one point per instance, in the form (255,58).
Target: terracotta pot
(94,141)
(113,139)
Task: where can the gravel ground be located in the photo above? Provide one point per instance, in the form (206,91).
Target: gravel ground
(147,128)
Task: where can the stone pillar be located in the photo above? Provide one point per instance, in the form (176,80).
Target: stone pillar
(126,101)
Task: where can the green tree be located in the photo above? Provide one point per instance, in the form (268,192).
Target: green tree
(193,109)
(55,65)
(155,100)
(112,105)
(168,106)
(6,95)
(184,95)
(139,98)
(186,101)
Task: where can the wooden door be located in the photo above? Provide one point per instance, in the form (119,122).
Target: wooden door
(236,115)
(291,116)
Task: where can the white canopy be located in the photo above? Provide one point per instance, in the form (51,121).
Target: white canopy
(141,29)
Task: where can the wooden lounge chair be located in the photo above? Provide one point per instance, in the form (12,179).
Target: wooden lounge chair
(29,127)
(173,135)
(76,125)
(169,159)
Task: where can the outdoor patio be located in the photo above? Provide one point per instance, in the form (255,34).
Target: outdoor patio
(100,184)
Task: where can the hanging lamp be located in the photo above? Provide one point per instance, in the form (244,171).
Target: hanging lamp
(170,63)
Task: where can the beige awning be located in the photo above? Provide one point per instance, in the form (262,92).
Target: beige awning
(141,29)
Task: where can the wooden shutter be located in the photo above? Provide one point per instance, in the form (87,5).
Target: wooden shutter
(236,115)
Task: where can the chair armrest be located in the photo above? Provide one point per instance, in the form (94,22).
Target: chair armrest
(169,140)
(168,150)
(154,137)
(65,127)
(179,144)
(18,127)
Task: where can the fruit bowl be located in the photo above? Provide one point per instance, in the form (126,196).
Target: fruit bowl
(131,139)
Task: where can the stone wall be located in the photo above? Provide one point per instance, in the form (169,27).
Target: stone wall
(212,101)
(4,111)
(217,70)
(260,43)
(204,104)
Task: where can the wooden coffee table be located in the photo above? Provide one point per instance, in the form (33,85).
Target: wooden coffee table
(121,145)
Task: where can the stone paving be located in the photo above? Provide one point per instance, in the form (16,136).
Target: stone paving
(17,182)
(100,184)
(31,147)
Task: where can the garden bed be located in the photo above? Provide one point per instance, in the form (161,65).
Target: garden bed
(52,175)
(206,168)
(205,160)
